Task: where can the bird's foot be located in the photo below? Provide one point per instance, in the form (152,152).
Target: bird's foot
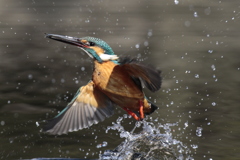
(141,113)
(131,113)
(141,110)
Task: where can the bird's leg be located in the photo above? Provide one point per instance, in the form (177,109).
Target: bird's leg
(131,113)
(141,110)
(141,113)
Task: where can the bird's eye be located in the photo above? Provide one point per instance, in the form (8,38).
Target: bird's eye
(91,43)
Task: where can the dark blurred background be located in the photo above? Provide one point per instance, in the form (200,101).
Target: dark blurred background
(195,44)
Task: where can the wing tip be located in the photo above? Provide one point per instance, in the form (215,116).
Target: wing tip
(70,122)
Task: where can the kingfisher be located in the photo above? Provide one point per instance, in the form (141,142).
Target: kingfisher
(116,81)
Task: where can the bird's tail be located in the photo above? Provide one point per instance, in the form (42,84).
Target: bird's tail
(153,108)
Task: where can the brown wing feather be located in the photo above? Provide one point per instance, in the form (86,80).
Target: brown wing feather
(112,78)
(147,74)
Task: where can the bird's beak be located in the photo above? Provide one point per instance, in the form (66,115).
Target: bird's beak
(67,39)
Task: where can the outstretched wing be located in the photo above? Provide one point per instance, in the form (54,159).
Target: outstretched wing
(146,74)
(88,107)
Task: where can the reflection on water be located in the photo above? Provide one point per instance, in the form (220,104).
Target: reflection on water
(154,141)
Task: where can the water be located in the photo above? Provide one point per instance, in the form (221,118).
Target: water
(154,141)
(195,44)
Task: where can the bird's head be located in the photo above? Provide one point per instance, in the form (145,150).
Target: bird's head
(94,47)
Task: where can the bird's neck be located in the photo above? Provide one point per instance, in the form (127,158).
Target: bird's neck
(105,65)
(102,73)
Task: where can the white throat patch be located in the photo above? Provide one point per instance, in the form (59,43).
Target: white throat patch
(107,57)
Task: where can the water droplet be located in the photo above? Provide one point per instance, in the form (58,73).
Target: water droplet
(196,76)
(150,33)
(137,45)
(195,14)
(185,125)
(194,146)
(213,67)
(37,124)
(214,103)
(210,51)
(103,144)
(30,76)
(146,43)
(10,140)
(2,123)
(76,81)
(199,131)
(176,2)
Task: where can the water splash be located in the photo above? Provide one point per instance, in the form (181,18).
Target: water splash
(150,143)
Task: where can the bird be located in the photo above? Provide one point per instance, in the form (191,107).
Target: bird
(116,81)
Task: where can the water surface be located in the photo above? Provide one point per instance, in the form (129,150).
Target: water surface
(194,43)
